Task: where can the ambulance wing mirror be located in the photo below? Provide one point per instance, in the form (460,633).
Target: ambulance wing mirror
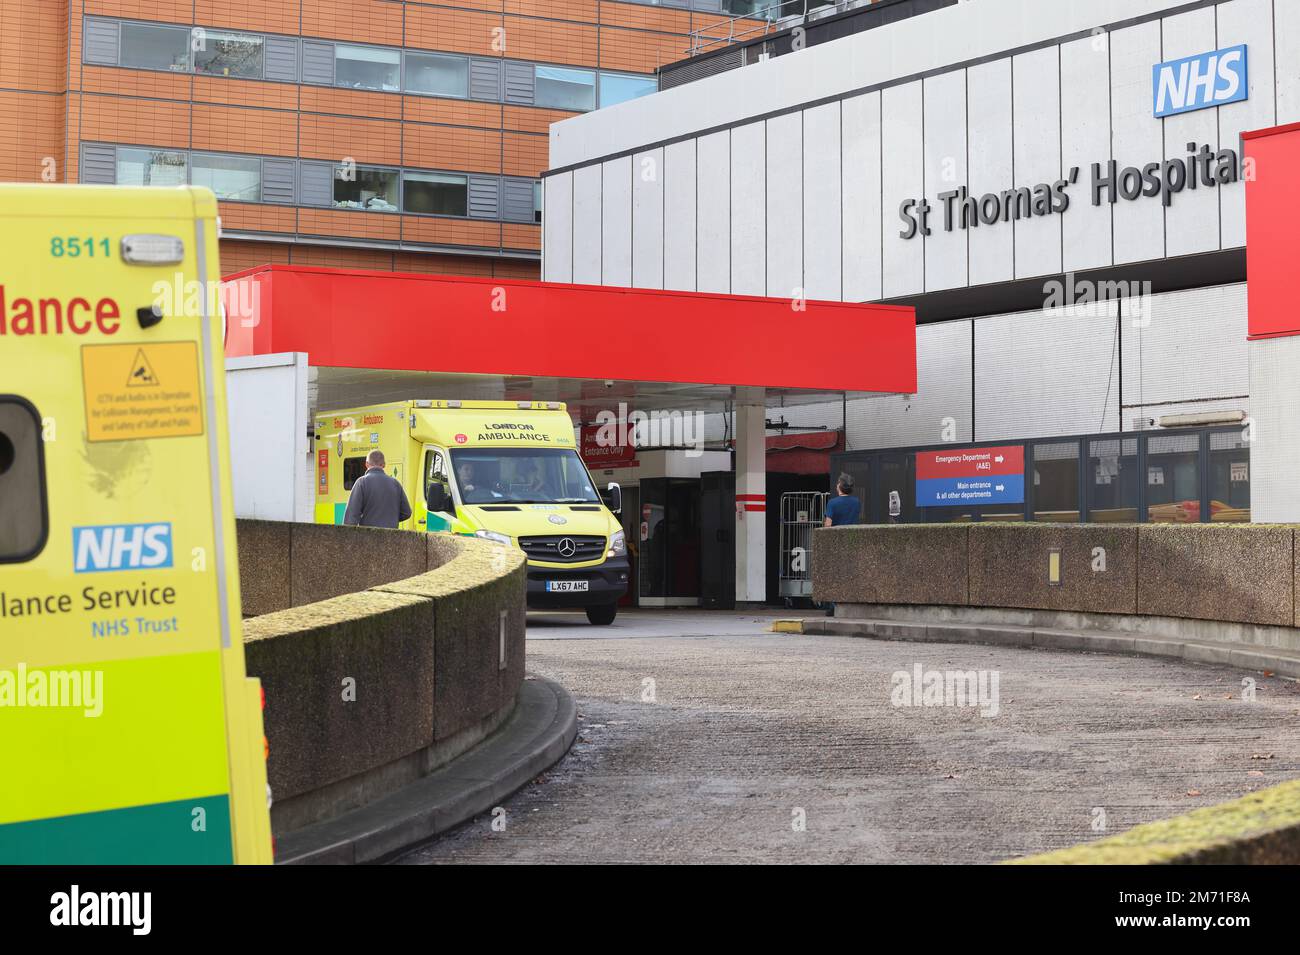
(437,498)
(614,498)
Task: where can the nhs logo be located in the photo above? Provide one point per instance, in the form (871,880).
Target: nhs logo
(1197,82)
(122,547)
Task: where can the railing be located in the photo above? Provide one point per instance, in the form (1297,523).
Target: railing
(762,20)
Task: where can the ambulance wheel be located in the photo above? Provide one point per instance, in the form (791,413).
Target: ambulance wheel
(603,614)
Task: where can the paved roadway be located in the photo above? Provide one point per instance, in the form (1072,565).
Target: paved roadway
(749,731)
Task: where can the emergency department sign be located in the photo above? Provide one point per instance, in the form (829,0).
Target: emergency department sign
(970,476)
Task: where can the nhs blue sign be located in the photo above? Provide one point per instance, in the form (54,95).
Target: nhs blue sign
(122,547)
(1197,82)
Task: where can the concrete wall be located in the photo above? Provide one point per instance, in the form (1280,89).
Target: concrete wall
(1240,574)
(383,654)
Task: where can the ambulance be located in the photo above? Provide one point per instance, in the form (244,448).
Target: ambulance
(503,471)
(129,730)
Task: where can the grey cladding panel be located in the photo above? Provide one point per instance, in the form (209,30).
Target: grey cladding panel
(101,42)
(485,80)
(520,83)
(98,164)
(316,184)
(484,197)
(277,180)
(518,205)
(318,62)
(282,59)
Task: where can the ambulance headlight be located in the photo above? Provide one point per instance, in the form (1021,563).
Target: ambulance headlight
(617,545)
(494,537)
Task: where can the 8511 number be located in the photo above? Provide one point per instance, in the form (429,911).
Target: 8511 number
(73,247)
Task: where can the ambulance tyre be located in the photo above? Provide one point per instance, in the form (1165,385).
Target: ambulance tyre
(602,615)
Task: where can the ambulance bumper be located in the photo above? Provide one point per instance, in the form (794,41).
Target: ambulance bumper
(605,584)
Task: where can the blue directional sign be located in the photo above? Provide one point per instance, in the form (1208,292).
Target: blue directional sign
(970,476)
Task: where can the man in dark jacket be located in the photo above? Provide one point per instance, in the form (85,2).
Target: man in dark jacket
(377,500)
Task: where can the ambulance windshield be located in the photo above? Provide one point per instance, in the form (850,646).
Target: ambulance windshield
(522,476)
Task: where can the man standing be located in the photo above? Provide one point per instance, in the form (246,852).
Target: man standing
(844,507)
(377,500)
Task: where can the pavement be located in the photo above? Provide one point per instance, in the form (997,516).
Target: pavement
(704,738)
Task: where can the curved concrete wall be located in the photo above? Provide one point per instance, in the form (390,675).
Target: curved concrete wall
(1228,584)
(383,654)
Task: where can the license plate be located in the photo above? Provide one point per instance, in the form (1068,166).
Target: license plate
(565,586)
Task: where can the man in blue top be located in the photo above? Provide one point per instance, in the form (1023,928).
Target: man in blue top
(844,507)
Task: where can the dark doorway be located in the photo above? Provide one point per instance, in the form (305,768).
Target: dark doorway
(718,540)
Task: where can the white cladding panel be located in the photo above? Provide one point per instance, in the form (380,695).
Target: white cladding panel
(748,208)
(1192,220)
(713,222)
(945,171)
(557,228)
(1036,120)
(942,401)
(1286,34)
(1274,409)
(1249,22)
(861,219)
(648,219)
(616,223)
(586,224)
(823,243)
(679,234)
(903,178)
(1185,346)
(1136,139)
(1085,139)
(992,249)
(783,237)
(1046,373)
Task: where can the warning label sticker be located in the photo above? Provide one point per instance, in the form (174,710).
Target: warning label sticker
(135,392)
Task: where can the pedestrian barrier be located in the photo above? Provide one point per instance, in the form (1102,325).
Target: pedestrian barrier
(383,655)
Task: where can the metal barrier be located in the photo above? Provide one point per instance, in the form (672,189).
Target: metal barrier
(774,17)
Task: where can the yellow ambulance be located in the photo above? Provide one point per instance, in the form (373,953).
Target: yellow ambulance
(504,471)
(129,732)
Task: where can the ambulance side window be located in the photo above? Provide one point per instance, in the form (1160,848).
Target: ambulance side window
(353,468)
(434,470)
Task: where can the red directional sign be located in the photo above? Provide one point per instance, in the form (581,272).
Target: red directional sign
(970,462)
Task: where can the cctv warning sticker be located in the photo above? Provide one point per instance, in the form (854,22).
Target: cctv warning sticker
(135,392)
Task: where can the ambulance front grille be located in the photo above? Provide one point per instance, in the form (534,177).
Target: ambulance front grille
(554,549)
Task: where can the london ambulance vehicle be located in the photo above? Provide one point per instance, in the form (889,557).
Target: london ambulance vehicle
(129,731)
(503,471)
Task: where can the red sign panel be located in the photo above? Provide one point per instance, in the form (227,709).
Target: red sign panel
(970,462)
(599,452)
(1272,205)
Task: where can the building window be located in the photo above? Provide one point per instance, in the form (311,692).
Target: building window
(1229,477)
(435,193)
(437,75)
(367,68)
(150,167)
(148,47)
(1056,482)
(537,201)
(230,177)
(372,189)
(561,88)
(1173,478)
(1112,480)
(619,87)
(218,53)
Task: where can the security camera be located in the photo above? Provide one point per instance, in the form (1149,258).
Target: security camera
(609,383)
